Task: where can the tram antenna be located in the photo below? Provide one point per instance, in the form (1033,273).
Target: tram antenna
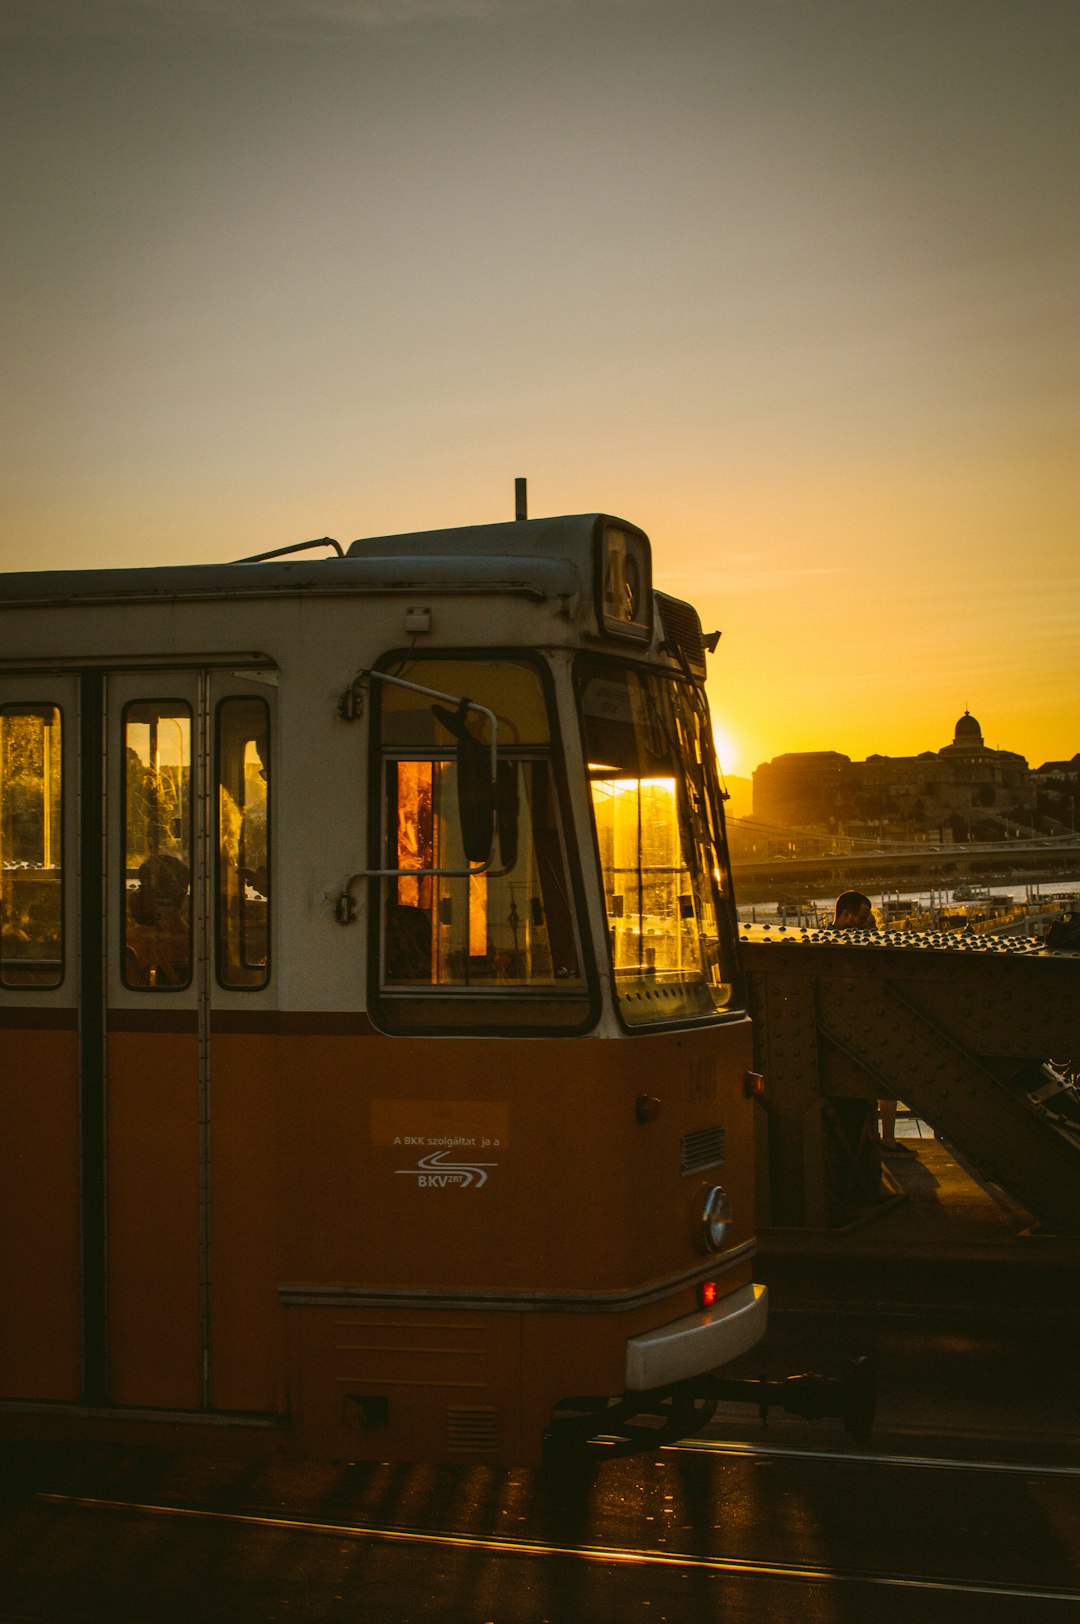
(521,501)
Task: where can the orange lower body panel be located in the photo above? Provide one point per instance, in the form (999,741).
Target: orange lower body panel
(322,1244)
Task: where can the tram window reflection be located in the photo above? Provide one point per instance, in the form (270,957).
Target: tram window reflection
(31,850)
(243,843)
(660,840)
(512,926)
(157,841)
(485,950)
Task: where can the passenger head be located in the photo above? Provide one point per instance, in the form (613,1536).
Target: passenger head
(853,912)
(163,883)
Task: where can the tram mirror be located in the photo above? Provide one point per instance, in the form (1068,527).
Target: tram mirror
(506,804)
(476,789)
(476,799)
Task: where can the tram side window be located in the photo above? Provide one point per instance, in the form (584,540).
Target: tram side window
(243,852)
(157,844)
(511,928)
(31,856)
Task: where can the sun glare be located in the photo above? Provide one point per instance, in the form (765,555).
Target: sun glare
(726,749)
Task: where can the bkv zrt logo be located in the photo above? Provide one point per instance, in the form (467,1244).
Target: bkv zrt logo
(435,1172)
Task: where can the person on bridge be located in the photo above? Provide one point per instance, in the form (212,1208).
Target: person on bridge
(1064,933)
(854,911)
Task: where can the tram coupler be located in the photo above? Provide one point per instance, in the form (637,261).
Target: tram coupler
(850,1398)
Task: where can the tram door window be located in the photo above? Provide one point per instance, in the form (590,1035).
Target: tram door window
(31,847)
(243,853)
(157,851)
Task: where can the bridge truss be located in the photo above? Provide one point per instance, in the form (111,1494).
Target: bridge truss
(955,1026)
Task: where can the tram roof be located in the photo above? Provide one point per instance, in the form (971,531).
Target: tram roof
(541,557)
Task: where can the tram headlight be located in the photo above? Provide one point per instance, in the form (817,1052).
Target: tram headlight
(715,1218)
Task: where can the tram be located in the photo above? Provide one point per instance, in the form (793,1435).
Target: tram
(375,1075)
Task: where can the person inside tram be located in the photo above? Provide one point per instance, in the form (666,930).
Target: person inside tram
(157,939)
(854,911)
(408,942)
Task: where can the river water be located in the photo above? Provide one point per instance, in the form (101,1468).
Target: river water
(1039,899)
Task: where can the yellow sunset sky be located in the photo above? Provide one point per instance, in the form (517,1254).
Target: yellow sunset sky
(791,284)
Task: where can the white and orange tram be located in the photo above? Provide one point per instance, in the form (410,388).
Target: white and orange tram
(374,1074)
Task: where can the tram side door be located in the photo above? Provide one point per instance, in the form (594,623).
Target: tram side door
(148,1334)
(109,887)
(40,1118)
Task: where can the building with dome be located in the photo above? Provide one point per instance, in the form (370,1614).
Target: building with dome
(962,790)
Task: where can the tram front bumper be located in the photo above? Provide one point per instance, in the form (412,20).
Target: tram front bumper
(697,1342)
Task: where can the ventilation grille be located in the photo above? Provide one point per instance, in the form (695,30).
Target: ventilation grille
(473,1431)
(701,1149)
(682,631)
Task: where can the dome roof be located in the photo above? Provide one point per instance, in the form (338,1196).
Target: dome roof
(968,734)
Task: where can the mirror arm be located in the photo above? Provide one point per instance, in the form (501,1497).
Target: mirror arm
(351,707)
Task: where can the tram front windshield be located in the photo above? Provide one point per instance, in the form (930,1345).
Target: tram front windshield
(663,862)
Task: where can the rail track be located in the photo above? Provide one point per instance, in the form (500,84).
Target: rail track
(650,1532)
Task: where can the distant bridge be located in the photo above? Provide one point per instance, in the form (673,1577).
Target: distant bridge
(763,879)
